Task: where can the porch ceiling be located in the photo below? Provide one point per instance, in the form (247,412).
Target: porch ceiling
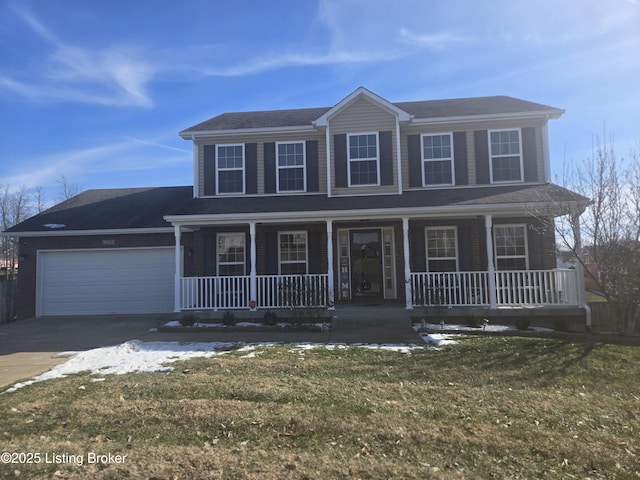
(541,200)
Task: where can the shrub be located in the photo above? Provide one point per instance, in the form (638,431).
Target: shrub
(188,320)
(229,318)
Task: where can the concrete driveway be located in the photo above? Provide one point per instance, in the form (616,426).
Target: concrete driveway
(31,347)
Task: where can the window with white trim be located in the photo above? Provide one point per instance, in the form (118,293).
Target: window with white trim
(230,169)
(437,159)
(442,249)
(231,254)
(364,165)
(292,252)
(505,151)
(291,176)
(511,247)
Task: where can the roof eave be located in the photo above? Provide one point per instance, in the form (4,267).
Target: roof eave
(541,114)
(550,208)
(83,233)
(191,134)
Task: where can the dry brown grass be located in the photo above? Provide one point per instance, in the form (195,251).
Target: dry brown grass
(485,408)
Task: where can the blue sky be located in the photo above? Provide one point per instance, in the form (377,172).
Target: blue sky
(97,90)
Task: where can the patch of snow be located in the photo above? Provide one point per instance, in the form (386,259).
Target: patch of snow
(439,339)
(54,226)
(467,328)
(137,356)
(129,357)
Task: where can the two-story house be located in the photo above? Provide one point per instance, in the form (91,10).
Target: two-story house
(417,203)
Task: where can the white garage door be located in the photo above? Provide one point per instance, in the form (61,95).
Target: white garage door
(85,282)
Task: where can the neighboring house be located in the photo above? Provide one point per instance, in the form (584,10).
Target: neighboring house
(368,201)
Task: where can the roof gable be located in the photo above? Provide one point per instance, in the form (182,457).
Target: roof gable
(359,93)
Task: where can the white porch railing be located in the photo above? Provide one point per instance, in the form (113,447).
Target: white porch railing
(450,288)
(213,293)
(273,291)
(512,288)
(277,291)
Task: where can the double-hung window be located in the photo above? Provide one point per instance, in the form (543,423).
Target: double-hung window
(442,249)
(291,175)
(292,252)
(364,165)
(231,254)
(506,156)
(230,169)
(511,247)
(437,158)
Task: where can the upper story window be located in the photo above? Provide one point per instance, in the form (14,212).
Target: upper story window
(291,176)
(230,169)
(511,247)
(442,249)
(437,159)
(293,252)
(364,165)
(505,150)
(231,254)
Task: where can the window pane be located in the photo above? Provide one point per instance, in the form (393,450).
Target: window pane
(505,142)
(231,254)
(441,243)
(437,146)
(437,172)
(511,247)
(291,179)
(364,172)
(293,253)
(506,169)
(230,157)
(230,181)
(362,146)
(290,154)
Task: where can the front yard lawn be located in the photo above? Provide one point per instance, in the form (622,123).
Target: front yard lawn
(482,408)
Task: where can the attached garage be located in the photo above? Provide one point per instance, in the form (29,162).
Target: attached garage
(109,281)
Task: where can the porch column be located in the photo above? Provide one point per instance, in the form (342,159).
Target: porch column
(330,294)
(253,280)
(488,227)
(407,265)
(178,273)
(577,237)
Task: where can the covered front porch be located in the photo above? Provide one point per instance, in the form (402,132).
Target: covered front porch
(345,253)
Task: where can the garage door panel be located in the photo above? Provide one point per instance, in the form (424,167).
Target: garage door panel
(107,281)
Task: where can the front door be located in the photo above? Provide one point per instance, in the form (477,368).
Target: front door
(366,265)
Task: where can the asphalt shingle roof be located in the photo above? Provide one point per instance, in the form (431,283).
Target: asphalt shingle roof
(144,208)
(109,209)
(420,110)
(455,197)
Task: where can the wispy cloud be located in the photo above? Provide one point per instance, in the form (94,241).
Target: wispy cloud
(277,61)
(127,155)
(436,41)
(115,75)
